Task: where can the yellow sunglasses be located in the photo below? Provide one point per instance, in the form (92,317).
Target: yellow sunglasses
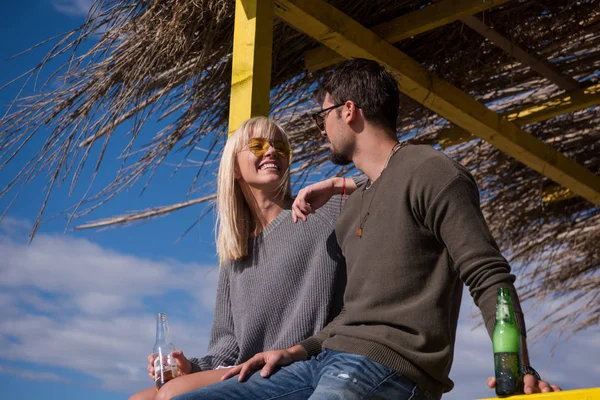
(259,146)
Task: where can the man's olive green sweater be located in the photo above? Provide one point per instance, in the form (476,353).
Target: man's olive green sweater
(423,238)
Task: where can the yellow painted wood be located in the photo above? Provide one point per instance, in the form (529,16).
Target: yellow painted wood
(579,394)
(557,105)
(251,64)
(454,135)
(347,37)
(555,193)
(405,26)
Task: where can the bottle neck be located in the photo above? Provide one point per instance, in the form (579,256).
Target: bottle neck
(504,307)
(162,329)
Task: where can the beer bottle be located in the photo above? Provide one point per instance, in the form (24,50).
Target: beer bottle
(506,341)
(165,367)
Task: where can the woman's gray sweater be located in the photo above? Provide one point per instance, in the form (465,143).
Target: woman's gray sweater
(288,288)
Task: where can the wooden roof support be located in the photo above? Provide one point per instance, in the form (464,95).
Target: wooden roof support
(414,23)
(252,53)
(542,67)
(562,104)
(337,31)
(554,193)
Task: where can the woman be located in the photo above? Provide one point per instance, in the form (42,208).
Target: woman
(279,283)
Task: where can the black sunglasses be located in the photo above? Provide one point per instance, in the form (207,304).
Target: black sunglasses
(319,116)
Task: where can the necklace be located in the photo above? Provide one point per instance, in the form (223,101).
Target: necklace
(363,218)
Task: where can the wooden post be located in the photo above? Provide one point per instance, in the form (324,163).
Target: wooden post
(251,63)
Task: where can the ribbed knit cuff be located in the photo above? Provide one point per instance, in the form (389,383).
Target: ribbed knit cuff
(312,346)
(196,365)
(360,180)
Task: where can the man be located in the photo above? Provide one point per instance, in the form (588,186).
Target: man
(412,236)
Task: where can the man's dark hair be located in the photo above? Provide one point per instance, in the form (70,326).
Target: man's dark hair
(367,84)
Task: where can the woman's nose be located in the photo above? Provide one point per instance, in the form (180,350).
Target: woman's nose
(271,151)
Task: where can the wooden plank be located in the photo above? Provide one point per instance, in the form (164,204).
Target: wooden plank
(336,30)
(251,64)
(414,23)
(561,104)
(557,105)
(554,193)
(542,67)
(579,394)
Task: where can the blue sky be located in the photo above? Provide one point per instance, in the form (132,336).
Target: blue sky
(78,307)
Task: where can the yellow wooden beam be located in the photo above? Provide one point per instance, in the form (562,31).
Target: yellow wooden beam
(414,23)
(251,64)
(454,135)
(337,31)
(557,105)
(555,193)
(578,394)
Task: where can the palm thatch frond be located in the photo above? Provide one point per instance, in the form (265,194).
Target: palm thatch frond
(138,61)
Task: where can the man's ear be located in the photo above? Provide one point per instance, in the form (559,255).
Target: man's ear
(350,111)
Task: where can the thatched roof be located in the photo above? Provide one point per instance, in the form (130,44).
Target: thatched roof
(172,60)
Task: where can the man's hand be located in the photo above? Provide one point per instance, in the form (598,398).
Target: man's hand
(184,366)
(530,385)
(268,360)
(316,195)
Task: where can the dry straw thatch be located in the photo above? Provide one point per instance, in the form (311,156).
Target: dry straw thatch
(171,60)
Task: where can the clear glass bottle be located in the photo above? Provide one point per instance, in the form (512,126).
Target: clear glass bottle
(506,341)
(165,367)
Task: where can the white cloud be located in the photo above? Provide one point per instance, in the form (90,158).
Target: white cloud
(12,227)
(31,375)
(100,280)
(89,303)
(74,8)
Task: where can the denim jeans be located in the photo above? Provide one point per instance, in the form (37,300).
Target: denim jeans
(331,375)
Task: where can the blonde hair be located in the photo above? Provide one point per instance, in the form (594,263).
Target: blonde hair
(234,220)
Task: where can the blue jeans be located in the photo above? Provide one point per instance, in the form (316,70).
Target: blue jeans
(331,375)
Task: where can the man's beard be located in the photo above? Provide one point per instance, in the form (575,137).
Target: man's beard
(339,159)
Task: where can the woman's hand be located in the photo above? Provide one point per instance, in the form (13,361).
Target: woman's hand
(184,367)
(151,366)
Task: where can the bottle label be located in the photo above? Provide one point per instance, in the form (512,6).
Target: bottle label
(165,369)
(502,311)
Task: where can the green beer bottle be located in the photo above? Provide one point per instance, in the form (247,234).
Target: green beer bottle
(506,341)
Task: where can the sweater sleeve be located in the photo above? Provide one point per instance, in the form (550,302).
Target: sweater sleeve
(360,180)
(454,216)
(223,347)
(313,345)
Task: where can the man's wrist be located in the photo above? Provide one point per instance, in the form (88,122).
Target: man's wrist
(298,353)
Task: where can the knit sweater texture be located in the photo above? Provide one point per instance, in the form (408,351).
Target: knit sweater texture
(423,239)
(288,288)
